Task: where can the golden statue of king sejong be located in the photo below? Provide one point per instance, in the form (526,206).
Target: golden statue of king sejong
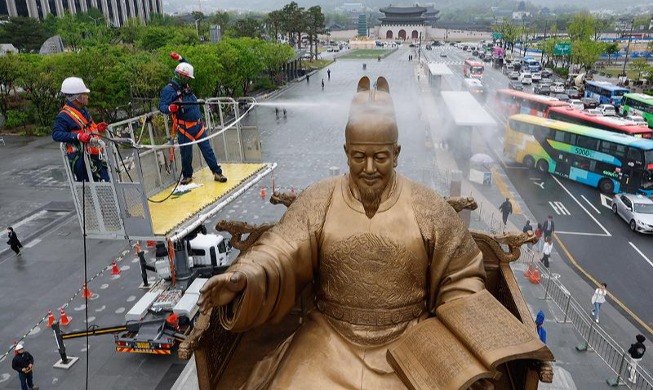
(383,252)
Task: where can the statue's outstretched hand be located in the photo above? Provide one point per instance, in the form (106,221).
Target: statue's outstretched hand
(221,290)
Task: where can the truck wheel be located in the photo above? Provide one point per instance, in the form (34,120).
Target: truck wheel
(543,166)
(606,186)
(529,162)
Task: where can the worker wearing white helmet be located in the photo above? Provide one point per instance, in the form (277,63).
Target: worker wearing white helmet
(23,363)
(177,100)
(75,127)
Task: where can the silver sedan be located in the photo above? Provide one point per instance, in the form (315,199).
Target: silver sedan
(637,210)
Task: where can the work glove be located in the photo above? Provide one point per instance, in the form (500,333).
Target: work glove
(84,137)
(173,107)
(175,56)
(102,127)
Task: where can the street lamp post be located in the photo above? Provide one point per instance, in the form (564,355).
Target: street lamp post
(630,37)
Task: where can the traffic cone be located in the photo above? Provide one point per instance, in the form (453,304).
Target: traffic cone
(535,276)
(263,193)
(115,270)
(85,292)
(64,318)
(173,319)
(151,243)
(50,318)
(529,271)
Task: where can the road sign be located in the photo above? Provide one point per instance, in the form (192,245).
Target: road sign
(562,48)
(496,35)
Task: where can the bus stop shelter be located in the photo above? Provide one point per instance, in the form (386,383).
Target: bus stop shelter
(436,71)
(465,114)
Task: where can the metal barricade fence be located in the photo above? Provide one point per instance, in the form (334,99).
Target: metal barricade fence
(595,338)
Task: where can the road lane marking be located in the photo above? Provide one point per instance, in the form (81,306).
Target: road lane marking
(604,201)
(596,283)
(590,203)
(559,208)
(32,243)
(581,206)
(640,253)
(583,233)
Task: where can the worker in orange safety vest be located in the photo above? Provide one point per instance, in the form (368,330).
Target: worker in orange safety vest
(75,127)
(187,120)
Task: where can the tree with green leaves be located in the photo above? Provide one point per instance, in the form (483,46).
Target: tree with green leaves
(314,25)
(639,65)
(274,56)
(293,22)
(611,49)
(582,27)
(9,74)
(41,78)
(247,27)
(586,53)
(274,24)
(26,34)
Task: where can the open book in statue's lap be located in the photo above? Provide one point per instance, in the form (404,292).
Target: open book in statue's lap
(382,251)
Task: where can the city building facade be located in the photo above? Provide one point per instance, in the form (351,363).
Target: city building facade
(116,12)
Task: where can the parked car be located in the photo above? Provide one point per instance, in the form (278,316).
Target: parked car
(542,89)
(637,210)
(547,73)
(536,76)
(574,93)
(593,112)
(589,102)
(516,85)
(561,97)
(638,119)
(607,109)
(576,103)
(513,75)
(507,68)
(558,87)
(443,54)
(525,78)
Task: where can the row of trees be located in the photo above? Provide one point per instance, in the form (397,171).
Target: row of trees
(583,31)
(123,79)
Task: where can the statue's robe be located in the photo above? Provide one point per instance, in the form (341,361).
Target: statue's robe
(374,278)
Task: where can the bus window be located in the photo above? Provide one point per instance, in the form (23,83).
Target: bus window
(587,142)
(559,136)
(635,155)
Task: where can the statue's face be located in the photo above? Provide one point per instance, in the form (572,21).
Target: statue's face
(371,166)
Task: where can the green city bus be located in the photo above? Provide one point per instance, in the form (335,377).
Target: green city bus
(609,161)
(640,104)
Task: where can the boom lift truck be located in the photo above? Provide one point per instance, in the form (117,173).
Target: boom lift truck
(144,202)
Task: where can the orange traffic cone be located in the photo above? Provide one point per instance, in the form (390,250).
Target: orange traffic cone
(50,318)
(151,243)
(64,318)
(263,193)
(535,276)
(85,292)
(115,270)
(529,271)
(173,319)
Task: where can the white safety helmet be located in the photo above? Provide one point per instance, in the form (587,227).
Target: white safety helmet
(19,347)
(185,69)
(73,86)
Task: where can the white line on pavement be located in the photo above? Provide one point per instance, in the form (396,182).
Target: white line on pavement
(640,253)
(32,243)
(583,234)
(581,206)
(589,203)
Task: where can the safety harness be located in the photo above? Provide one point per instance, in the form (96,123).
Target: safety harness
(183,126)
(84,126)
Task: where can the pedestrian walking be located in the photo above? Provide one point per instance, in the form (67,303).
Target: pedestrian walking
(329,74)
(14,242)
(549,227)
(284,112)
(506,209)
(276,112)
(597,299)
(636,352)
(546,251)
(308,76)
(540,240)
(23,363)
(528,228)
(323,84)
(539,324)
(179,101)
